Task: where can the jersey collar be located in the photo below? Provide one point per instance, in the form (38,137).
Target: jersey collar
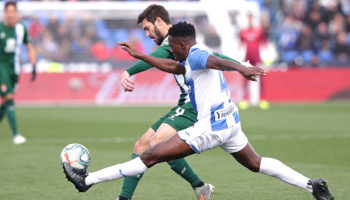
(165,41)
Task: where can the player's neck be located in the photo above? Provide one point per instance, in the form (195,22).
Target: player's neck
(10,25)
(165,30)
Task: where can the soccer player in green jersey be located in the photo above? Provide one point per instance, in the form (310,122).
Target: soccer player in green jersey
(155,22)
(12,36)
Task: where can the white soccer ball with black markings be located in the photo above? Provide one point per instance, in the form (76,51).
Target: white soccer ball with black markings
(76,155)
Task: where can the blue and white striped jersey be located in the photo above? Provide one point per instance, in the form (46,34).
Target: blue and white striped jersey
(208,91)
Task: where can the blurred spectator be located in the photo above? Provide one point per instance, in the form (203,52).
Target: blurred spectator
(100,51)
(325,42)
(35,28)
(316,32)
(305,45)
(341,49)
(321,34)
(305,39)
(52,26)
(49,47)
(337,24)
(325,54)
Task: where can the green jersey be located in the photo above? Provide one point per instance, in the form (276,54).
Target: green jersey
(164,51)
(11,39)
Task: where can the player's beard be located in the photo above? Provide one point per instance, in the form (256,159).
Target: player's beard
(158,35)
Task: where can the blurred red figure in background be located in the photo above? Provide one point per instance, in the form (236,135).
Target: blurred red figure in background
(252,37)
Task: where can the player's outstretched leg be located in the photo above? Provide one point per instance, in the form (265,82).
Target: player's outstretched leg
(129,184)
(180,166)
(275,168)
(77,177)
(173,148)
(320,189)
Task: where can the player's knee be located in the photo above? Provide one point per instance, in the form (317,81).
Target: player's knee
(150,157)
(254,164)
(153,141)
(140,146)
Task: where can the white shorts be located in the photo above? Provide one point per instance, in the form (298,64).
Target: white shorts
(200,137)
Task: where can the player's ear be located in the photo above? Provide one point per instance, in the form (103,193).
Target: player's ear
(182,44)
(158,21)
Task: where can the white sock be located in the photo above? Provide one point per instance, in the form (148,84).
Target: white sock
(131,168)
(276,168)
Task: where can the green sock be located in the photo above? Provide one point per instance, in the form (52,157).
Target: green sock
(130,183)
(181,167)
(11,115)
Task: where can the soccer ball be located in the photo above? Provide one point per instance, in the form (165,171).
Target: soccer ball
(76,155)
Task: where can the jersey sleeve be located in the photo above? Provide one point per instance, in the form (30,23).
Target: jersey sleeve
(26,38)
(140,66)
(198,59)
(225,57)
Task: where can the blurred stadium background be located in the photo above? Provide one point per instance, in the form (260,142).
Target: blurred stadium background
(306,49)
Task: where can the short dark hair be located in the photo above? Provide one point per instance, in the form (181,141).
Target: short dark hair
(182,29)
(152,12)
(10,3)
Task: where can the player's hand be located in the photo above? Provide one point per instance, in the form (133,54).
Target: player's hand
(127,82)
(251,73)
(130,49)
(33,73)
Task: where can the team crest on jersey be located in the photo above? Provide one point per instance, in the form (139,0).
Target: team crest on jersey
(3,87)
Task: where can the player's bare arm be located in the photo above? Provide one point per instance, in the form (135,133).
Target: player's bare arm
(250,73)
(32,59)
(166,65)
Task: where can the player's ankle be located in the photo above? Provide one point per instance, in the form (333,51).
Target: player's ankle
(200,184)
(122,198)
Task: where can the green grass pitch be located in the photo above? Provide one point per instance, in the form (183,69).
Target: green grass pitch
(314,139)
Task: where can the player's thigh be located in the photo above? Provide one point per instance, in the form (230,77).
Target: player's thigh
(6,87)
(169,149)
(179,118)
(165,131)
(143,143)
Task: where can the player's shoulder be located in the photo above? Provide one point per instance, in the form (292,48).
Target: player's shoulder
(198,56)
(199,49)
(165,47)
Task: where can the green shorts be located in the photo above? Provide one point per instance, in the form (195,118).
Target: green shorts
(8,80)
(179,117)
